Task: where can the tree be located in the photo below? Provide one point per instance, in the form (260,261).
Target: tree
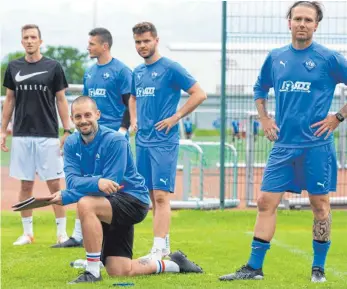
(71,59)
(4,63)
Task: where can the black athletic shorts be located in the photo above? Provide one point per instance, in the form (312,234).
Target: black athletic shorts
(119,235)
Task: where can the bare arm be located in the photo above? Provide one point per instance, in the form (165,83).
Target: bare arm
(196,97)
(269,125)
(63,108)
(132,111)
(7,112)
(261,103)
(7,109)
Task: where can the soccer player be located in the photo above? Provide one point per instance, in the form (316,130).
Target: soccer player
(108,82)
(236,129)
(156,91)
(35,84)
(188,127)
(112,196)
(304,75)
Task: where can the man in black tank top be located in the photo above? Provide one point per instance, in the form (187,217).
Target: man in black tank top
(35,84)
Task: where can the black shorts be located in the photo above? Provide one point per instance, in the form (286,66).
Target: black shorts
(119,235)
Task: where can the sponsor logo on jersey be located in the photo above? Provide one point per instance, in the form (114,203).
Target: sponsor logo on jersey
(98,92)
(145,92)
(297,86)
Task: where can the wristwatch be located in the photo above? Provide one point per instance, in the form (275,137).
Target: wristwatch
(68,131)
(339,117)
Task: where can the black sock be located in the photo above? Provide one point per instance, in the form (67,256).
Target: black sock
(260,240)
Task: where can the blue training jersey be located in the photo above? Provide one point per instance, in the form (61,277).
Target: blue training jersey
(106,84)
(157,88)
(107,156)
(188,126)
(304,82)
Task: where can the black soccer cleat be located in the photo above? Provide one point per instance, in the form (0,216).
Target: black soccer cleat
(244,273)
(318,275)
(69,243)
(86,277)
(186,266)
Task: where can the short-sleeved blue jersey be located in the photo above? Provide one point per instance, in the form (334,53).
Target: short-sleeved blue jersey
(304,82)
(157,88)
(106,84)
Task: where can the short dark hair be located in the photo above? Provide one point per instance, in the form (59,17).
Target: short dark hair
(104,35)
(313,4)
(144,27)
(32,26)
(82,99)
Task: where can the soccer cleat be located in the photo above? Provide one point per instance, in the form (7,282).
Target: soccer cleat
(24,240)
(244,273)
(318,275)
(69,243)
(156,254)
(86,277)
(185,265)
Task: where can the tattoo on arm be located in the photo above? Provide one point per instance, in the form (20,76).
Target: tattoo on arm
(322,229)
(144,261)
(260,103)
(343,111)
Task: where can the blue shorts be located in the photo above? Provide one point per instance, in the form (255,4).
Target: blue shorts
(294,169)
(158,166)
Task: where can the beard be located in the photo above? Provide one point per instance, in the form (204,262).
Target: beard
(150,53)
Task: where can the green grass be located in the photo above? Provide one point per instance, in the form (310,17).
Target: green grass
(218,241)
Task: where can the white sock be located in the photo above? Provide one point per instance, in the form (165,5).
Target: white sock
(167,242)
(77,232)
(167,266)
(28,226)
(159,243)
(93,266)
(61,226)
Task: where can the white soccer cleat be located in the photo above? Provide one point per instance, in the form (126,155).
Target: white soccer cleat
(62,238)
(156,254)
(24,240)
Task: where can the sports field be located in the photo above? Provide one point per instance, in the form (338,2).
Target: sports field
(219,241)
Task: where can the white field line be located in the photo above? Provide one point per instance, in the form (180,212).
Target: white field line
(305,255)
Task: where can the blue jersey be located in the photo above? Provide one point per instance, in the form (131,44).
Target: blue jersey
(304,82)
(157,88)
(107,156)
(106,84)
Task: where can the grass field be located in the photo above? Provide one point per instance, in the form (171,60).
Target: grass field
(218,241)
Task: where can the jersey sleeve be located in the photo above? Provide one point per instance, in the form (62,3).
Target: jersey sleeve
(73,175)
(59,79)
(85,89)
(338,68)
(124,81)
(133,86)
(8,80)
(181,78)
(264,81)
